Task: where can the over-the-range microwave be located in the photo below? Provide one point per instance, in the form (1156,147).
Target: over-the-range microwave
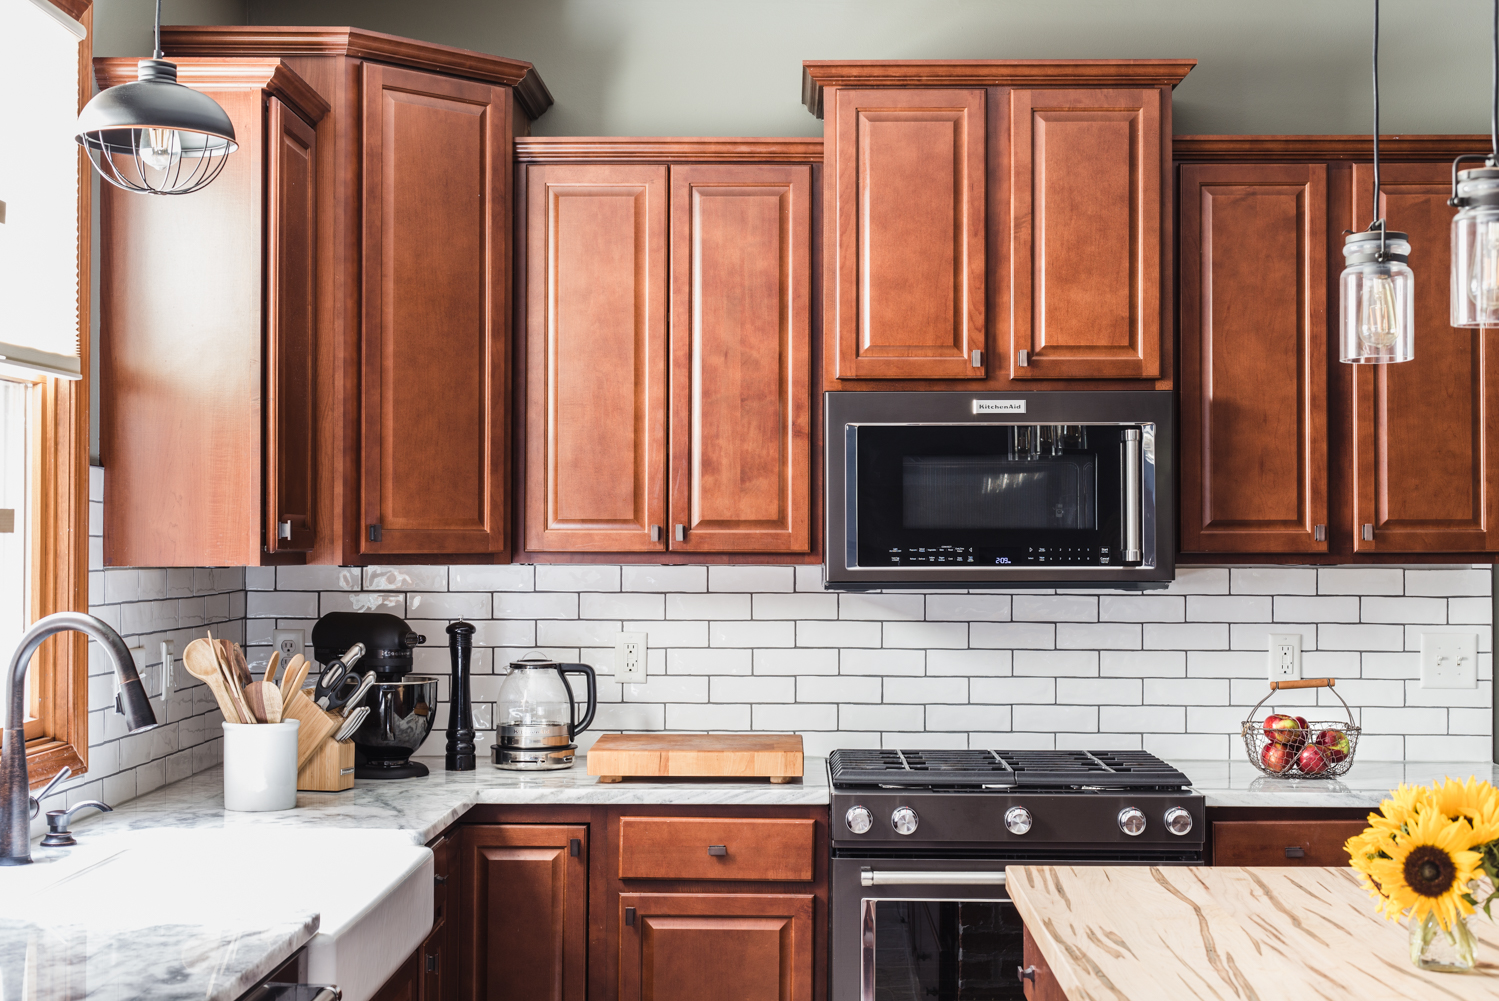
(999,489)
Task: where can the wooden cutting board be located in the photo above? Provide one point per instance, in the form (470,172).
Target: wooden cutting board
(776,756)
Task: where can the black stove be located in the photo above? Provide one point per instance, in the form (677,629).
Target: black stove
(1003,769)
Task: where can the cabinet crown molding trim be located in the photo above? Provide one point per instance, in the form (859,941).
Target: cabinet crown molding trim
(210,40)
(255,73)
(817,74)
(676,149)
(1275,149)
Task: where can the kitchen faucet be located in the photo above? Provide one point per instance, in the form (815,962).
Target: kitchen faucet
(15,811)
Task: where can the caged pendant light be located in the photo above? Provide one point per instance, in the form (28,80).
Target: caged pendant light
(1475,228)
(1377,322)
(156,136)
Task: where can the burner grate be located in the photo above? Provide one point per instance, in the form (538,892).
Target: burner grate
(1030,769)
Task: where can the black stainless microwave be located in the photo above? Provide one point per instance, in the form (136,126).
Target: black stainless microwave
(999,489)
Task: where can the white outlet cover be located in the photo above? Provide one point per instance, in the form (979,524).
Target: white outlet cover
(625,672)
(290,642)
(1449,660)
(1277,670)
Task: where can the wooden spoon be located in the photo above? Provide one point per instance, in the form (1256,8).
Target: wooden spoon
(200,662)
(296,673)
(264,700)
(236,659)
(270,668)
(236,691)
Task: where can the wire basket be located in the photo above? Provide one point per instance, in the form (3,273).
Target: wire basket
(1332,743)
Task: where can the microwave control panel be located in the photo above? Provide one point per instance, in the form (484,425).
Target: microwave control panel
(1003,556)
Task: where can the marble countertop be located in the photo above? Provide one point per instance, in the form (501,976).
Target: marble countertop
(144,906)
(1239,783)
(1182,934)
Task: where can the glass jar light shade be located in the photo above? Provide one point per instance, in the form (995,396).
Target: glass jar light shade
(1475,250)
(1378,319)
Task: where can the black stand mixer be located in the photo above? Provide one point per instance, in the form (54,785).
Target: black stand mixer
(402,705)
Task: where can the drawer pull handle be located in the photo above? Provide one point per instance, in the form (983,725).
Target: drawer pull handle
(1024,973)
(1295,851)
(718,849)
(439,879)
(630,916)
(431,963)
(575,847)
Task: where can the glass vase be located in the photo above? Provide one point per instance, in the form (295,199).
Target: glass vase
(1449,950)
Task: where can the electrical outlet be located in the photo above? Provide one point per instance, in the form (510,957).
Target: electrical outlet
(1285,656)
(1449,660)
(289,642)
(629,658)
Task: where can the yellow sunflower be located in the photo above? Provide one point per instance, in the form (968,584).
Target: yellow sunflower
(1428,870)
(1461,799)
(1395,812)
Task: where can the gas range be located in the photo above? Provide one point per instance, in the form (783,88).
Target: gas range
(1073,800)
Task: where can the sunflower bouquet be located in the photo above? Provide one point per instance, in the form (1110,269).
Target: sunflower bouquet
(1432,852)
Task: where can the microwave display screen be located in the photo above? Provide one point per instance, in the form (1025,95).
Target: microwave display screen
(989,495)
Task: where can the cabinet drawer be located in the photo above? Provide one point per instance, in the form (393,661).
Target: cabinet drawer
(715,848)
(1283,842)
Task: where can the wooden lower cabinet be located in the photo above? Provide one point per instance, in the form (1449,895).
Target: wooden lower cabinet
(687,946)
(523,932)
(1283,842)
(1038,982)
(405,984)
(434,962)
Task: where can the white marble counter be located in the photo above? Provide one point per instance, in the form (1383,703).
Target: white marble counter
(1239,783)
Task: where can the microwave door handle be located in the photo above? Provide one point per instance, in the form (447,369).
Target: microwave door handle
(1133,486)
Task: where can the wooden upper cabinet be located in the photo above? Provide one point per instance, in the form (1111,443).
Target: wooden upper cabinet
(1254,358)
(1425,434)
(291,333)
(435,312)
(596,364)
(741,358)
(905,284)
(1089,226)
(688,946)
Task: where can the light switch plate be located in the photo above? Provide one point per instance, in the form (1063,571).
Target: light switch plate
(629,658)
(290,642)
(1449,660)
(1285,656)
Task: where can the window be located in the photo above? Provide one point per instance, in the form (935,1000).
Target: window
(44,211)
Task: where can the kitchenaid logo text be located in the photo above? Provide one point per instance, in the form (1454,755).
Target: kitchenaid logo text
(999,406)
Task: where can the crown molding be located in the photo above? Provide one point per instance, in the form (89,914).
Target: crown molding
(684,149)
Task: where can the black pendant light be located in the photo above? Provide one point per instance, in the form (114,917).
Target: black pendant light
(156,136)
(1475,228)
(1376,288)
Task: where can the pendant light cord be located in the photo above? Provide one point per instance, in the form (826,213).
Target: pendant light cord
(1378,222)
(1494,108)
(157,54)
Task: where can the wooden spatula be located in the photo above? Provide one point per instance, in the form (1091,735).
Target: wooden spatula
(296,673)
(231,683)
(264,700)
(199,660)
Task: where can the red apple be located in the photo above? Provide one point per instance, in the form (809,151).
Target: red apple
(1312,760)
(1283,729)
(1277,757)
(1301,722)
(1334,744)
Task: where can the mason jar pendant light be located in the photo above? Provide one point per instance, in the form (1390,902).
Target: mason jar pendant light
(1475,228)
(1376,288)
(156,136)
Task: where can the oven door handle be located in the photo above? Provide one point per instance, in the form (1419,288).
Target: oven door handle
(875,877)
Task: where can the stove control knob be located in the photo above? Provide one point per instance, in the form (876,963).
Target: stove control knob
(1178,821)
(904,820)
(1018,820)
(1132,821)
(859,819)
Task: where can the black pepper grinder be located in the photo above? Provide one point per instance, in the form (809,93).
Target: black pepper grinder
(460,750)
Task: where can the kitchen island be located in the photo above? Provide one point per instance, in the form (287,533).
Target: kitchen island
(1181,934)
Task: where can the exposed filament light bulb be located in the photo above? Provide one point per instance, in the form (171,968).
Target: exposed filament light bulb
(160,148)
(1379,317)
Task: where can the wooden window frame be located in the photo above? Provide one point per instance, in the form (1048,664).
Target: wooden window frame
(59,542)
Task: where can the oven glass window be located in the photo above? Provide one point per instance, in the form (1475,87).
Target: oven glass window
(988,495)
(946,950)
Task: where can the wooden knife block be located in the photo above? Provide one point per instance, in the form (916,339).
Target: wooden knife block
(330,769)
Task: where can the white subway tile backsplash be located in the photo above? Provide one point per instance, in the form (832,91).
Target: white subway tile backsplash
(1056,663)
(751,633)
(1447,583)
(1360,580)
(1185,636)
(839,634)
(884,662)
(795,606)
(666,579)
(406,578)
(839,688)
(1408,610)
(968,663)
(576,577)
(1142,608)
(927,635)
(1098,636)
(707,606)
(751,578)
(882,607)
(968,607)
(1012,635)
(1199,580)
(1336,636)
(1054,608)
(881,717)
(1273,580)
(1229,608)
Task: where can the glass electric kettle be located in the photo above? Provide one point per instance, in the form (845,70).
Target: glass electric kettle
(537,715)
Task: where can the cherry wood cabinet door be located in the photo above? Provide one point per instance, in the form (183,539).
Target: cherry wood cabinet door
(596,365)
(405,984)
(435,314)
(741,395)
(525,934)
(1086,187)
(291,330)
(906,269)
(1254,358)
(1039,984)
(1425,432)
(1283,842)
(690,946)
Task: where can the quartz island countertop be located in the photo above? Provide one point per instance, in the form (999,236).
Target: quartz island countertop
(1237,783)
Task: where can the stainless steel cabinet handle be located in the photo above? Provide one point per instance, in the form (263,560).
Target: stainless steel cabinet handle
(655,533)
(1024,973)
(976,358)
(681,533)
(1319,533)
(718,849)
(1023,359)
(629,915)
(876,877)
(283,529)
(1368,533)
(1130,446)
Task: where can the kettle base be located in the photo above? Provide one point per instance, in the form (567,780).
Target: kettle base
(535,759)
(405,769)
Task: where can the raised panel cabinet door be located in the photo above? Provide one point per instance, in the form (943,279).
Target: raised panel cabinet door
(291,317)
(735,946)
(435,313)
(741,395)
(1254,358)
(906,234)
(525,936)
(1424,431)
(1086,189)
(596,365)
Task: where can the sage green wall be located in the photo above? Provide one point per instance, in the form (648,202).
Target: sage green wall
(733,67)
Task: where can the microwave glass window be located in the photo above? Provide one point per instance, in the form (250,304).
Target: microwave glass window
(995,492)
(946,950)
